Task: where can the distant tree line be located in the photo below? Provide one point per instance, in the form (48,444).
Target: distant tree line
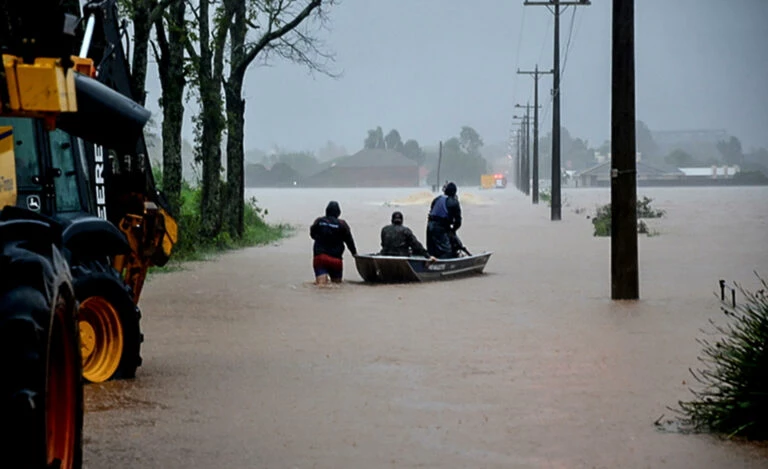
(393,141)
(577,154)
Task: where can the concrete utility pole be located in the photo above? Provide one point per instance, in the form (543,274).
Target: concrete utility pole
(535,173)
(556,203)
(624,263)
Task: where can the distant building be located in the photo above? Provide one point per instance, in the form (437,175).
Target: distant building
(600,175)
(367,168)
(713,172)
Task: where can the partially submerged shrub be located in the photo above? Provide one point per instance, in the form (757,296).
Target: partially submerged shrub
(734,401)
(644,209)
(602,219)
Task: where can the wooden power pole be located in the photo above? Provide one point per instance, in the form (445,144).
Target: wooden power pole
(624,263)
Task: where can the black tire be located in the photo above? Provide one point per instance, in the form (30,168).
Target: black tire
(41,392)
(99,279)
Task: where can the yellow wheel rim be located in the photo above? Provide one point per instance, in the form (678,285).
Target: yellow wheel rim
(101,339)
(61,395)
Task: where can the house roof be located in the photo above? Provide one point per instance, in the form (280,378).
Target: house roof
(643,169)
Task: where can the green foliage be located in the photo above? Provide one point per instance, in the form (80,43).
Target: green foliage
(574,152)
(644,209)
(470,141)
(393,141)
(734,400)
(413,151)
(191,246)
(602,219)
(460,166)
(375,139)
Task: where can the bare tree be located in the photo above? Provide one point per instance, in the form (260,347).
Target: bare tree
(285,32)
(143,14)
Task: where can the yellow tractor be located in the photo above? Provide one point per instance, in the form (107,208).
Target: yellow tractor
(81,222)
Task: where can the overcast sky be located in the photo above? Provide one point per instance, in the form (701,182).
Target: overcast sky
(427,67)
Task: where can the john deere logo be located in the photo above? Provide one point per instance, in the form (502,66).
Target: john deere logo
(33,202)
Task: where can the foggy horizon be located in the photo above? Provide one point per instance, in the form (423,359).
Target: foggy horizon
(427,68)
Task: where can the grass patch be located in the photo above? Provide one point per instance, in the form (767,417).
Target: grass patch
(546,196)
(193,247)
(734,398)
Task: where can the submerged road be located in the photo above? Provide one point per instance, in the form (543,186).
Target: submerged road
(249,365)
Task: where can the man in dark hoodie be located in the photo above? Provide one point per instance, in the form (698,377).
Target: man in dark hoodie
(444,219)
(398,240)
(330,234)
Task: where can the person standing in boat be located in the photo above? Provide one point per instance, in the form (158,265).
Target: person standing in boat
(443,222)
(330,234)
(398,240)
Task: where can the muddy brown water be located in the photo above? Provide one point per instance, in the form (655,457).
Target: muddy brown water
(248,365)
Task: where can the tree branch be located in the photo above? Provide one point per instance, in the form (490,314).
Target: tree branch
(272,35)
(158,9)
(194,11)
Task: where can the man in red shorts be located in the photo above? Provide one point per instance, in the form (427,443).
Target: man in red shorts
(330,234)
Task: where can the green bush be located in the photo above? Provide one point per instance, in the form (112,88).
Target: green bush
(602,219)
(192,246)
(734,401)
(644,209)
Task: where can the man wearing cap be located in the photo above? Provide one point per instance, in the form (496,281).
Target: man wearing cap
(398,240)
(443,222)
(330,233)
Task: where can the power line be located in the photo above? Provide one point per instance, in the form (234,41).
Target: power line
(568,44)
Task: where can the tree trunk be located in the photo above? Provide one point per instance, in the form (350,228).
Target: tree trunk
(235,194)
(141,30)
(210,139)
(235,158)
(172,81)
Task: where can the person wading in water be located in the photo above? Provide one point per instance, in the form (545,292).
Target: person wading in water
(330,233)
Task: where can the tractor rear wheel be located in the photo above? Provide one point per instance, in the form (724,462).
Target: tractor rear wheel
(109,322)
(41,392)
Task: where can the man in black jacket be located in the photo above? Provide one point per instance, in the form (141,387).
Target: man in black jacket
(443,222)
(398,240)
(330,233)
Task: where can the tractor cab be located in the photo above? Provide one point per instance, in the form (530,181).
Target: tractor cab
(52,175)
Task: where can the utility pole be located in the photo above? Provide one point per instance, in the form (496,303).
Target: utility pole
(519,157)
(525,147)
(624,263)
(556,203)
(535,176)
(527,119)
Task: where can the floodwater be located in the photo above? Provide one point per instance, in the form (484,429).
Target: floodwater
(531,365)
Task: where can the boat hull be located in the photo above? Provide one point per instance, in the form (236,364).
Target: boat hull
(374,268)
